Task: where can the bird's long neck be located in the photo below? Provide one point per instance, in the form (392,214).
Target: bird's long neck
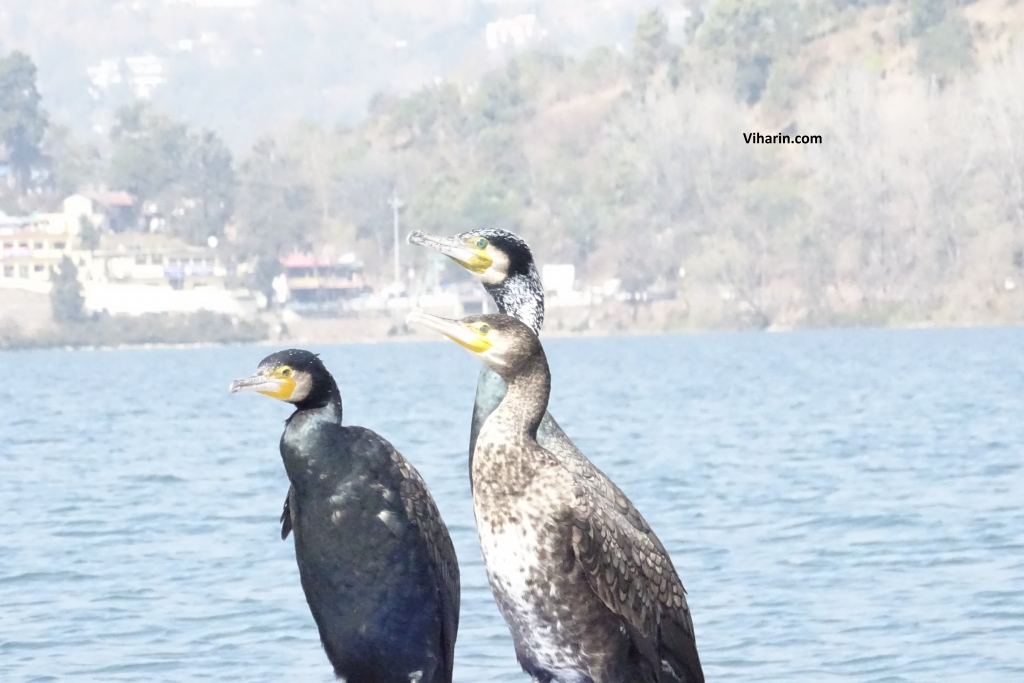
(329,411)
(526,399)
(521,297)
(324,395)
(305,444)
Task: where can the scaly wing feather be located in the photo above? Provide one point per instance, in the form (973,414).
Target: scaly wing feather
(633,576)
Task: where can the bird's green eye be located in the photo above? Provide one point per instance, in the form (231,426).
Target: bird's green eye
(481,243)
(286,372)
(484,328)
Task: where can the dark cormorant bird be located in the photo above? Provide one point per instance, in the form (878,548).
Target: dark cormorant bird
(589,593)
(376,561)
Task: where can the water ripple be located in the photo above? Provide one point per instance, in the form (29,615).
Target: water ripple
(840,505)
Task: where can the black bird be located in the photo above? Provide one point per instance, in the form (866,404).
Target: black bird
(589,593)
(376,561)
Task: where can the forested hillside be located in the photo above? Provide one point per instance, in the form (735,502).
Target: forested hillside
(911,210)
(632,164)
(241,66)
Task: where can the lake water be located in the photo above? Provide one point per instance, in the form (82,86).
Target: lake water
(840,505)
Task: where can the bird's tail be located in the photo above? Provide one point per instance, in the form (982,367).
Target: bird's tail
(679,654)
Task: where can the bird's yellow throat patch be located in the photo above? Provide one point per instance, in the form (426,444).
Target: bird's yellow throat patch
(478,260)
(286,383)
(474,338)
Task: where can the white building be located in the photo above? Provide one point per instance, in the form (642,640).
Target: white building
(31,246)
(104,75)
(558,278)
(135,273)
(145,73)
(515,32)
(130,273)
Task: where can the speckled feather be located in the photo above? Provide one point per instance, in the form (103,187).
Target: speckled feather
(623,560)
(521,290)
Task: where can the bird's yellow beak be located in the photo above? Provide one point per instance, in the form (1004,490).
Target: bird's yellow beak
(277,383)
(472,336)
(469,256)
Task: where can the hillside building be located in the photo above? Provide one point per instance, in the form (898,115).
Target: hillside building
(311,280)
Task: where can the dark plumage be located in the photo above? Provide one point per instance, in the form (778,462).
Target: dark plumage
(376,562)
(667,644)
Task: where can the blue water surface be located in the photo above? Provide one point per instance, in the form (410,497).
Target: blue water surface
(841,506)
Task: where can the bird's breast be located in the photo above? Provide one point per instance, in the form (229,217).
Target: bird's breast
(526,543)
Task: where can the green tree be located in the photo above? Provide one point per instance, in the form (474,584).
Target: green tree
(946,49)
(276,210)
(925,14)
(149,151)
(206,189)
(72,163)
(487,203)
(501,97)
(499,152)
(753,35)
(88,234)
(187,175)
(22,121)
(66,298)
(651,47)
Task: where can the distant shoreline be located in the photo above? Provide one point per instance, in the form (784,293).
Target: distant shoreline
(205,329)
(426,337)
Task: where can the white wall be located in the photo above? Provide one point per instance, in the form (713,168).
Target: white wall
(139,299)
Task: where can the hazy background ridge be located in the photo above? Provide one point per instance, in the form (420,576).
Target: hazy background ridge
(611,136)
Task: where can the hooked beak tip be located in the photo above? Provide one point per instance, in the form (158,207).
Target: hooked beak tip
(415,317)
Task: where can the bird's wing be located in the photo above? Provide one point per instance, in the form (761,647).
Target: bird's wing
(597,481)
(286,513)
(551,437)
(633,576)
(422,511)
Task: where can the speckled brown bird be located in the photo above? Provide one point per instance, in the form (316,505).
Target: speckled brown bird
(589,593)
